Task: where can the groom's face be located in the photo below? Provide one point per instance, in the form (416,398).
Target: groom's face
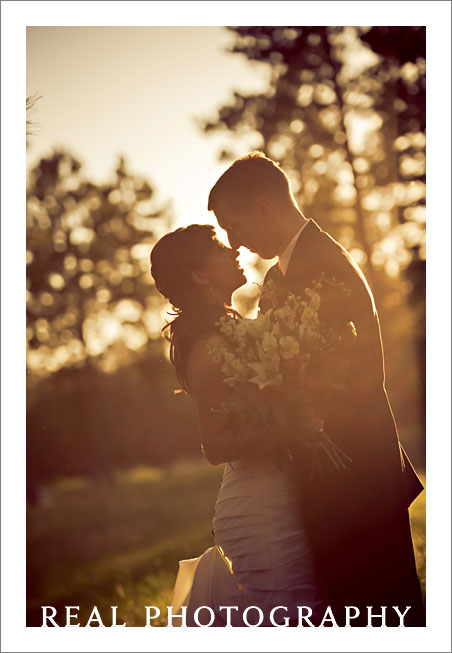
(246,227)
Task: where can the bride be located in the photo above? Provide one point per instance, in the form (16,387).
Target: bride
(261,555)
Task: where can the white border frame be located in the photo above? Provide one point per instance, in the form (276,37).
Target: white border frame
(15,17)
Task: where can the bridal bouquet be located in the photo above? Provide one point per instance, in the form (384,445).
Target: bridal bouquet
(283,366)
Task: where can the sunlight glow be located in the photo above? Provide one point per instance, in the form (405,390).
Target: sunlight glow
(133,337)
(128,310)
(360,129)
(159,161)
(56,281)
(99,331)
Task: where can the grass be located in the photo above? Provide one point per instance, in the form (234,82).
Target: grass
(119,543)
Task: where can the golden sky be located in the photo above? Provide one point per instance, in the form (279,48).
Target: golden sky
(138,91)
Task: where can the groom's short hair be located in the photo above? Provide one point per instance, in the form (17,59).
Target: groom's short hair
(247,177)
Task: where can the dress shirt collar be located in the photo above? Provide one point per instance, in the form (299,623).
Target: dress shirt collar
(285,257)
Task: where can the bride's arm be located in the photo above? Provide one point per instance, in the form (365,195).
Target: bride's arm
(220,442)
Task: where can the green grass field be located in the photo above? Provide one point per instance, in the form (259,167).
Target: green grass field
(119,543)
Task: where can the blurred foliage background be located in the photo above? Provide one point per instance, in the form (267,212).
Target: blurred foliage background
(344,114)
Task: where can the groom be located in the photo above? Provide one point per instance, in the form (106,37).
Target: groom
(356,519)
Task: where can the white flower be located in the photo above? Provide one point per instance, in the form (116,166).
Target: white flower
(315,298)
(276,379)
(276,330)
(267,372)
(309,316)
(270,359)
(286,315)
(269,344)
(239,335)
(228,363)
(264,377)
(289,347)
(226,326)
(256,328)
(240,370)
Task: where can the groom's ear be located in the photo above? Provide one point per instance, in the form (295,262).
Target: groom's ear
(264,207)
(200,278)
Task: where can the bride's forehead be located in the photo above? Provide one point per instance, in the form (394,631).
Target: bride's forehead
(219,246)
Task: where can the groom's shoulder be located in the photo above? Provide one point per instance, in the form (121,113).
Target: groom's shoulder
(323,241)
(323,237)
(316,247)
(325,254)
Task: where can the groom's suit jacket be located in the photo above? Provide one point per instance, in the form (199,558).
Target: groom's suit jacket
(363,508)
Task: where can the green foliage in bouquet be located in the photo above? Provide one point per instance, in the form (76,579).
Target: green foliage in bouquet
(283,366)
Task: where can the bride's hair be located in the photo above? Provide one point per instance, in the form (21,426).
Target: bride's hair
(173,260)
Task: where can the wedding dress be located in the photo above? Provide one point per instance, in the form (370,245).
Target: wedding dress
(261,555)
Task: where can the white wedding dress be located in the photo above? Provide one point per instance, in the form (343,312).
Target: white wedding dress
(261,555)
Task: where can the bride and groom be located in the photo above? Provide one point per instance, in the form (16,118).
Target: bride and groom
(283,537)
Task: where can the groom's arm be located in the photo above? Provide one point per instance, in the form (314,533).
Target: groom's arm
(353,301)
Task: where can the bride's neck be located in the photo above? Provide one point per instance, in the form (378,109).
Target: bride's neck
(215,299)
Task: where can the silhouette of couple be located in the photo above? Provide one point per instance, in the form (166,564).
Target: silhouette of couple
(283,537)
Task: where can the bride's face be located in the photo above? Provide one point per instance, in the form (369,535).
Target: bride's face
(221,271)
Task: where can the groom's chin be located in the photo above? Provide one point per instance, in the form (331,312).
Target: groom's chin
(267,256)
(242,283)
(267,253)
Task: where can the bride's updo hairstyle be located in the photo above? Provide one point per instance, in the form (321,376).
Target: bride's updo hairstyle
(173,260)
